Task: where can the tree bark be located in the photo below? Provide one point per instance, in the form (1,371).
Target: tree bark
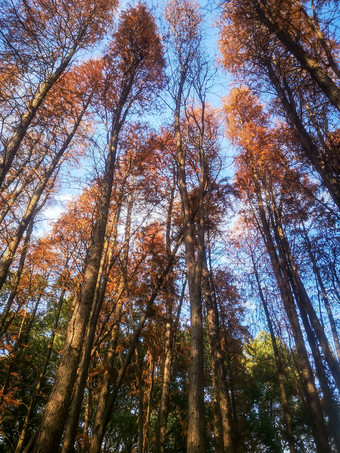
(324,295)
(279,366)
(302,298)
(170,332)
(103,276)
(55,414)
(41,376)
(218,368)
(329,173)
(312,399)
(329,406)
(306,60)
(100,425)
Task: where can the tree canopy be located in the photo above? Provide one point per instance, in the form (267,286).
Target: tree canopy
(185,296)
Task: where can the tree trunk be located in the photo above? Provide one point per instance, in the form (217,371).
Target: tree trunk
(4,323)
(279,366)
(312,399)
(26,119)
(100,425)
(85,438)
(170,333)
(196,420)
(33,206)
(103,275)
(55,414)
(324,295)
(329,407)
(218,368)
(303,300)
(106,380)
(307,61)
(41,376)
(146,406)
(329,174)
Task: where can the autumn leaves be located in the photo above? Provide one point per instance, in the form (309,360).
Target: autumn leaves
(96,306)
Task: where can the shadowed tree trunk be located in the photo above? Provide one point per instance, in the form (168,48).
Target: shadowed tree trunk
(323,294)
(279,365)
(42,375)
(312,399)
(218,369)
(170,334)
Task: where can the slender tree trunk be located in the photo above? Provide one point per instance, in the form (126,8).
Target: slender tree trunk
(109,257)
(324,295)
(312,399)
(103,275)
(33,206)
(4,323)
(106,380)
(311,151)
(307,61)
(314,24)
(41,376)
(100,425)
(26,119)
(218,435)
(279,366)
(329,406)
(138,375)
(218,365)
(170,333)
(303,300)
(85,439)
(146,403)
(55,413)
(165,392)
(19,346)
(196,420)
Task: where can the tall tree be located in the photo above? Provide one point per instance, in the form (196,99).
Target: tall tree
(131,70)
(263,184)
(184,27)
(39,46)
(253,49)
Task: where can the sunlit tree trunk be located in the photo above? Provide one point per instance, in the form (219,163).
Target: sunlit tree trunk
(108,259)
(144,66)
(306,59)
(326,169)
(56,409)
